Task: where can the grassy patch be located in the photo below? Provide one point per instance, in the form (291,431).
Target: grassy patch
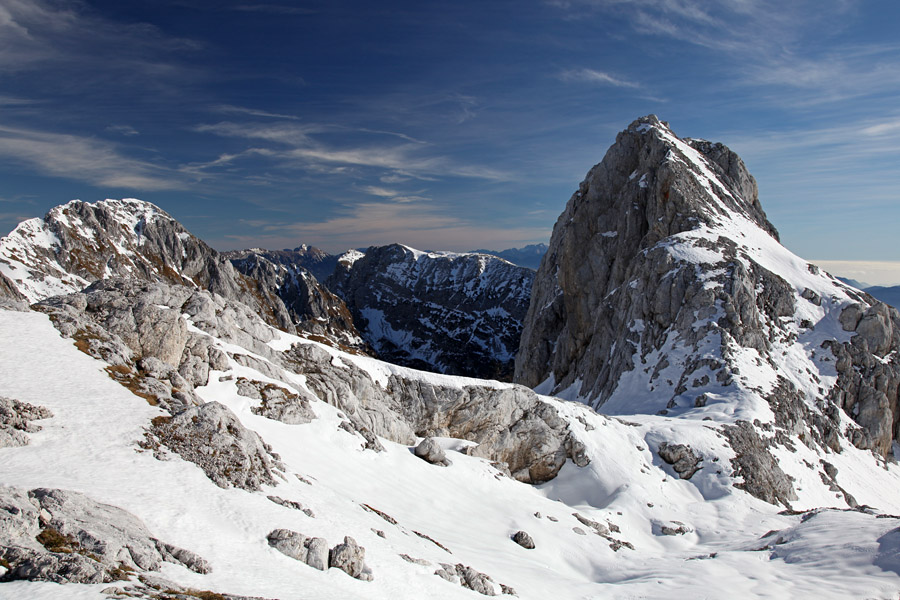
(128,378)
(54,541)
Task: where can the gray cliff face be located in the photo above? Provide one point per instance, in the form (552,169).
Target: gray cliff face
(315,311)
(79,242)
(457,314)
(315,260)
(665,290)
(142,330)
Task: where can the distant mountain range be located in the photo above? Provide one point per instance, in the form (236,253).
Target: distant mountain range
(887,294)
(530,256)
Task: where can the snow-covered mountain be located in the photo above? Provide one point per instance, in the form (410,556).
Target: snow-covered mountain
(80,242)
(455,313)
(315,260)
(161,441)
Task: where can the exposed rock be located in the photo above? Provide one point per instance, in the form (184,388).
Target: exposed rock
(763,478)
(293,504)
(212,437)
(62,536)
(458,314)
(124,238)
(16,420)
(10,297)
(524,540)
(310,550)
(429,451)
(350,558)
(663,274)
(675,528)
(475,580)
(519,429)
(315,311)
(681,457)
(278,403)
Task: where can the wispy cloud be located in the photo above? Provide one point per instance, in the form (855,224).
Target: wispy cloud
(300,146)
(422,226)
(127,130)
(275,9)
(83,46)
(253,112)
(83,159)
(594,76)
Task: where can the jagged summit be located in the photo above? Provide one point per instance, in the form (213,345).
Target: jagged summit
(79,242)
(455,313)
(665,290)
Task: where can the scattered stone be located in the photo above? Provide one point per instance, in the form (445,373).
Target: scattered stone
(675,528)
(429,451)
(524,540)
(415,561)
(291,504)
(16,420)
(350,558)
(312,551)
(579,531)
(681,457)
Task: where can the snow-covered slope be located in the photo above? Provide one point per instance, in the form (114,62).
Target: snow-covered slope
(623,526)
(458,313)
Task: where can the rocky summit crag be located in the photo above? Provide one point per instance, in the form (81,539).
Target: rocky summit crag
(665,290)
(79,242)
(455,313)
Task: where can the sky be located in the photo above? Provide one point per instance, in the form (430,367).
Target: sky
(444,125)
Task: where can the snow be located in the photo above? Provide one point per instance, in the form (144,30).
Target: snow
(90,446)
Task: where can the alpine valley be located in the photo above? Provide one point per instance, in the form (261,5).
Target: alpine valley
(672,406)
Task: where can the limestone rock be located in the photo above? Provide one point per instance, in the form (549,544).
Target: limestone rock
(212,437)
(314,309)
(130,239)
(429,451)
(16,420)
(350,557)
(683,460)
(664,275)
(524,540)
(518,429)
(310,550)
(63,536)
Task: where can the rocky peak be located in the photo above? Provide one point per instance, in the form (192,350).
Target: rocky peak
(456,313)
(80,242)
(313,308)
(665,290)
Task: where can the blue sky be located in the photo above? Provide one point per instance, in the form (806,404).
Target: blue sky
(445,125)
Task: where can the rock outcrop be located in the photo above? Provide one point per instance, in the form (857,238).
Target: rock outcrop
(79,242)
(458,314)
(158,339)
(212,437)
(665,290)
(510,424)
(66,537)
(16,421)
(315,311)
